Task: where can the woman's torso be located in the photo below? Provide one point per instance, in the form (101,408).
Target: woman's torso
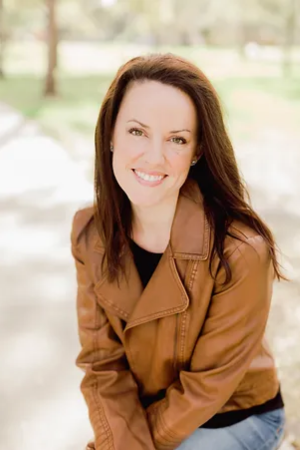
(171,327)
(146,263)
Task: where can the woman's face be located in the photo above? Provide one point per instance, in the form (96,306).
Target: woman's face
(154,139)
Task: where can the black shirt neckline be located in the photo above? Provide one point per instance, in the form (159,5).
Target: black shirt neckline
(141,250)
(145,261)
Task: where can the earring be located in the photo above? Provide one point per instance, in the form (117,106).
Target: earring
(111,147)
(194,161)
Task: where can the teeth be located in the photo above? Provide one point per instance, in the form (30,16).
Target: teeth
(147,177)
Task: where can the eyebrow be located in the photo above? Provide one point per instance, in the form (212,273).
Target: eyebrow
(146,126)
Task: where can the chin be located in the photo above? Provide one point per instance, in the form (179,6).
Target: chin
(138,199)
(144,196)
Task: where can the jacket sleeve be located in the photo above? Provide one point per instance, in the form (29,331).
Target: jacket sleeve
(118,420)
(230,338)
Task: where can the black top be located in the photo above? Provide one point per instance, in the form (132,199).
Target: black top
(146,263)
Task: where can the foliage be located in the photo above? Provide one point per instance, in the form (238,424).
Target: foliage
(159,21)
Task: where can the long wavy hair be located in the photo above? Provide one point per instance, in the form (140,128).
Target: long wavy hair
(224,192)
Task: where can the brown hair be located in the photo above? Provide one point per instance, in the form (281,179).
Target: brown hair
(224,193)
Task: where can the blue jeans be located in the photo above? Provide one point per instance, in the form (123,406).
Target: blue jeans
(258,432)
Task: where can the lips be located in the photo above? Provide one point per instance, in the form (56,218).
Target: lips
(149,176)
(146,179)
(152,173)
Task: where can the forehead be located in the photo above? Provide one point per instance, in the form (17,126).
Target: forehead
(148,100)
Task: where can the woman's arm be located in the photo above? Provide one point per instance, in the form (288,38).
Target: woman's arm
(229,340)
(116,415)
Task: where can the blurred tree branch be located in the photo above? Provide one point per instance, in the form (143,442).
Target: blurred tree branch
(2,39)
(156,22)
(52,42)
(290,31)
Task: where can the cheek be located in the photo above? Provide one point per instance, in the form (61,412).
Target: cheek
(121,159)
(125,153)
(122,162)
(180,163)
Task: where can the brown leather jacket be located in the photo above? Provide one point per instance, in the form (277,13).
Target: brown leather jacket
(160,361)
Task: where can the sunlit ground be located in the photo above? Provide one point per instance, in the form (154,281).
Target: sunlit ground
(46,163)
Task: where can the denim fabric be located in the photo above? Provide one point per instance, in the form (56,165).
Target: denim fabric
(258,432)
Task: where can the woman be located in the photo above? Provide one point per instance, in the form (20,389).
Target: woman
(175,274)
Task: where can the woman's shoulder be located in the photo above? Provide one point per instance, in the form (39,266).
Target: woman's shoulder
(83,226)
(241,236)
(246,252)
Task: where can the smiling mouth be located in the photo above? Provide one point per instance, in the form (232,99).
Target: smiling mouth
(147,177)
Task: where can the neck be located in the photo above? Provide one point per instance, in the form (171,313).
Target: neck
(152,225)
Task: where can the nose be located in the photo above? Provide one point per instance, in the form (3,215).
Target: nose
(154,154)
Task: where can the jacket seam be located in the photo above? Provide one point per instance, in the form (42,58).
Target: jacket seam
(193,275)
(100,410)
(184,317)
(155,315)
(244,242)
(103,420)
(112,305)
(175,275)
(182,338)
(190,256)
(173,438)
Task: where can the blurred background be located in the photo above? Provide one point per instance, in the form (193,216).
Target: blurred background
(57,59)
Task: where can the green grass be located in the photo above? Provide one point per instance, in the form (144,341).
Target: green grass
(256,103)
(74,109)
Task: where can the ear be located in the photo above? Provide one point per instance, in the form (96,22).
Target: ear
(198,154)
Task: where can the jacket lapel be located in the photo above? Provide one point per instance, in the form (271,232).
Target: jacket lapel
(120,299)
(165,293)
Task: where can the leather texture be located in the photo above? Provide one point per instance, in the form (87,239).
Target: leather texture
(160,361)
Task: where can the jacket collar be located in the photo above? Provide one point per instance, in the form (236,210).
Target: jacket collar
(190,232)
(189,240)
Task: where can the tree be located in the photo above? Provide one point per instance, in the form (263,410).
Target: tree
(2,38)
(284,16)
(290,31)
(52,43)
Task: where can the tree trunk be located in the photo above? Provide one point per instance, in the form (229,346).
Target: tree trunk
(290,28)
(50,85)
(2,38)
(241,30)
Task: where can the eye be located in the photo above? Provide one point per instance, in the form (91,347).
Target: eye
(183,141)
(134,130)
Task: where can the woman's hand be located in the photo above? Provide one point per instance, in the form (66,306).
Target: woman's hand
(90,445)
